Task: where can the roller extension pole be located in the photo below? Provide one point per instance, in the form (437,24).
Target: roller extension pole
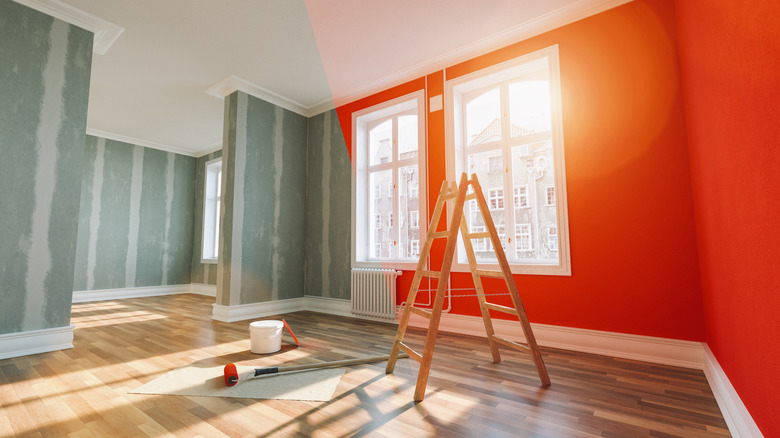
(231,374)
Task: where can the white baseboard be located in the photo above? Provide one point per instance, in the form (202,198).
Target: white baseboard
(209,290)
(241,312)
(739,420)
(36,341)
(129,292)
(645,348)
(331,306)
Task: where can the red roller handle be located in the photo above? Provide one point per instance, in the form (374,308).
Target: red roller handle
(289,330)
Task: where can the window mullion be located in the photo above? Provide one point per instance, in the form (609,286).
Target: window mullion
(506,153)
(396,254)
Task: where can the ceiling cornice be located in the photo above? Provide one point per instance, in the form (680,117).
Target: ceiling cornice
(233,83)
(105,32)
(139,142)
(213,148)
(528,29)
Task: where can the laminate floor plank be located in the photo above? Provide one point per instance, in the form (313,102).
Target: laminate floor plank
(122,344)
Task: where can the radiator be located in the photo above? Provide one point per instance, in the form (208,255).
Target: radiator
(373,293)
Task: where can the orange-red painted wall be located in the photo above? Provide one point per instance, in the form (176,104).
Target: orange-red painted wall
(730,57)
(633,245)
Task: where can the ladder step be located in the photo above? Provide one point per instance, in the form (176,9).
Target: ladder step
(500,308)
(422,312)
(509,343)
(413,354)
(440,234)
(434,274)
(471,196)
(496,274)
(481,235)
(450,195)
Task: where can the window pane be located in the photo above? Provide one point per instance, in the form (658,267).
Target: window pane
(409,206)
(380,143)
(381,211)
(408,137)
(532,177)
(493,186)
(529,107)
(483,118)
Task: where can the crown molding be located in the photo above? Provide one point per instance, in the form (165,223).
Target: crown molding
(139,142)
(233,83)
(106,33)
(320,108)
(523,31)
(213,148)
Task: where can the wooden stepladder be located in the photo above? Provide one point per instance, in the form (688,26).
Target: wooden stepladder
(458,222)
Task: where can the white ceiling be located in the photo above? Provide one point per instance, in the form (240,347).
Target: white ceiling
(150,85)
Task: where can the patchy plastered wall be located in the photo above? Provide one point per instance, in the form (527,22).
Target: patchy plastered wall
(44,83)
(202,273)
(264,186)
(136,215)
(328,209)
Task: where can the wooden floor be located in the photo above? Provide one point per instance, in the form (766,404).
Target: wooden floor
(120,345)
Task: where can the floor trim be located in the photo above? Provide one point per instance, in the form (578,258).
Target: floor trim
(36,341)
(686,354)
(738,418)
(242,312)
(209,290)
(130,292)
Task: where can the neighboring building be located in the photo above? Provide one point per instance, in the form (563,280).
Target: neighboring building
(533,233)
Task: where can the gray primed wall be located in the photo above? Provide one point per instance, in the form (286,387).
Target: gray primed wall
(135,219)
(44,85)
(203,273)
(328,209)
(264,187)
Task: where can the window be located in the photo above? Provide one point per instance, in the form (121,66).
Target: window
(414,219)
(388,152)
(552,239)
(414,247)
(504,124)
(211,205)
(523,236)
(521,196)
(414,190)
(496,199)
(481,244)
(550,196)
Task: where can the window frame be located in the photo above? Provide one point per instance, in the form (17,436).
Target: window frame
(362,120)
(460,89)
(212,200)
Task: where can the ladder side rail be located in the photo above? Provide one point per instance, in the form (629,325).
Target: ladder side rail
(433,325)
(422,263)
(514,293)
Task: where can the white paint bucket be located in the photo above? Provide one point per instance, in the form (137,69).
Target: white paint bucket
(265,336)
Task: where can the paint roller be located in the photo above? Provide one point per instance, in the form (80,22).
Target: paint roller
(232,378)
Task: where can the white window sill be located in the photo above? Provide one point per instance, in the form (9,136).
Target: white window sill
(387,264)
(209,261)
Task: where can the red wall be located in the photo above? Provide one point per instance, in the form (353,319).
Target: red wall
(633,245)
(730,57)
